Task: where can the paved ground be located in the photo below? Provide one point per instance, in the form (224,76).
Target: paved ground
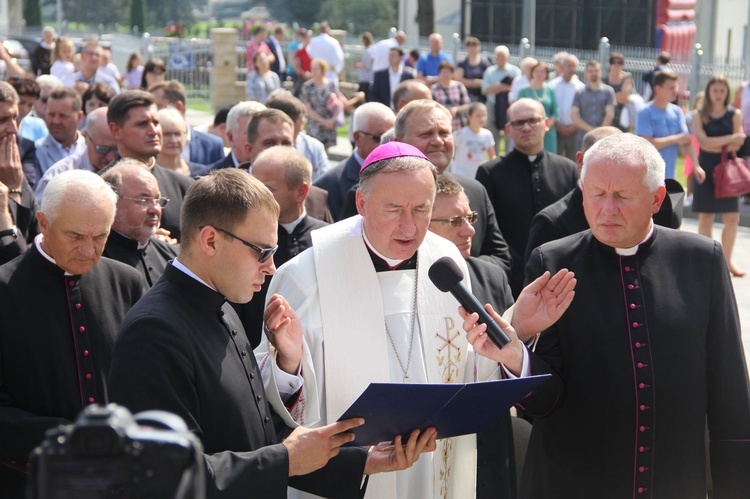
(741,252)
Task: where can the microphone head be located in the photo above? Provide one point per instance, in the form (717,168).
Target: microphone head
(445,274)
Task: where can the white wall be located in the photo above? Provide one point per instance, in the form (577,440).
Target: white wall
(721,26)
(407,20)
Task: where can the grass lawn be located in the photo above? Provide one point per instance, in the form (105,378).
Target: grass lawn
(200,105)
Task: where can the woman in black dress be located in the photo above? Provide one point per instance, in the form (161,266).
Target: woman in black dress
(717,125)
(470,70)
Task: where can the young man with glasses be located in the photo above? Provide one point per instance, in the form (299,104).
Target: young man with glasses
(183,349)
(101,150)
(139,205)
(525,181)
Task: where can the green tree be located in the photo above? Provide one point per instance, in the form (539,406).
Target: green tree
(138,14)
(358,16)
(32,12)
(305,12)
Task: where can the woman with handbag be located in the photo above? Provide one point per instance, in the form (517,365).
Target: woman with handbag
(323,104)
(717,126)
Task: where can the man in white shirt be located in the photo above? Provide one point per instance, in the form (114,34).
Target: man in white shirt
(565,86)
(325,47)
(382,49)
(385,82)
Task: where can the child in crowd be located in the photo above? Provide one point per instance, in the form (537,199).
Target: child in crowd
(62,56)
(474,144)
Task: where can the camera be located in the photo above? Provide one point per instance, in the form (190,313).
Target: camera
(109,453)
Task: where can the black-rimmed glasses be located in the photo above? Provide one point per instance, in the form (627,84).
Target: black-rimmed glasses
(265,253)
(374,137)
(458,220)
(150,201)
(532,122)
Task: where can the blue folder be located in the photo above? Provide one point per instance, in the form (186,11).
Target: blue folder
(391,409)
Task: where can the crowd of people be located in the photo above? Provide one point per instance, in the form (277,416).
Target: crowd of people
(139,257)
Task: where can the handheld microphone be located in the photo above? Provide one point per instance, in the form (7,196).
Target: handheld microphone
(447,276)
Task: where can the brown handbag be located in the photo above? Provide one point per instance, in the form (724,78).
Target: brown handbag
(731,176)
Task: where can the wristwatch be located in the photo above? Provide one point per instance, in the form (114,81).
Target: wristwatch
(13,232)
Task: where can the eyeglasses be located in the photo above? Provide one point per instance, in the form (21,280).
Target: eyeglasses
(374,137)
(619,63)
(150,201)
(265,253)
(532,122)
(458,220)
(102,149)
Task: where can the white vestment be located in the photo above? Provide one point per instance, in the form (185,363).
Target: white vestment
(343,304)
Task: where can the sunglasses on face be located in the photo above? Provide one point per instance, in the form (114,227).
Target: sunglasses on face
(265,253)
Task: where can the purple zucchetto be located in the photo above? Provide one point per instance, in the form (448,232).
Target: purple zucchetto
(391,150)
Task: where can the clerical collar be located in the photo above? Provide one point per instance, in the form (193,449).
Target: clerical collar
(138,245)
(180,266)
(532,158)
(632,251)
(289,227)
(38,242)
(384,264)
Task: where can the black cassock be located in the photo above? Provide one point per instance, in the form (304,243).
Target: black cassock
(183,349)
(56,338)
(647,354)
(149,261)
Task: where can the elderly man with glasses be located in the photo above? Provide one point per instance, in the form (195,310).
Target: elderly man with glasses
(525,181)
(139,204)
(100,151)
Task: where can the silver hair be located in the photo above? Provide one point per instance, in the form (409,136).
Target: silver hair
(82,186)
(368,111)
(416,107)
(388,136)
(239,110)
(48,81)
(629,149)
(392,165)
(503,49)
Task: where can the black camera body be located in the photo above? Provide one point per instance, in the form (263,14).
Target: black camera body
(109,453)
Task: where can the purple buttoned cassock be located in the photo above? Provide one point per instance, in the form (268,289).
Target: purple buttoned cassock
(648,355)
(56,337)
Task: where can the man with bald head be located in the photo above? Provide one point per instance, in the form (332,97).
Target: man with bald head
(288,175)
(525,181)
(429,62)
(60,307)
(101,150)
(370,122)
(407,91)
(565,216)
(139,204)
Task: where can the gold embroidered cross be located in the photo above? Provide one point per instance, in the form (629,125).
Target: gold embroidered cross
(448,339)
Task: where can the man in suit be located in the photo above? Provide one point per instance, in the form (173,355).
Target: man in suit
(278,63)
(134,124)
(18,224)
(384,82)
(237,119)
(201,147)
(139,204)
(453,219)
(184,350)
(272,127)
(287,174)
(565,216)
(370,122)
(525,181)
(60,307)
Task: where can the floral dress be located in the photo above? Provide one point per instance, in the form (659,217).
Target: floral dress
(317,97)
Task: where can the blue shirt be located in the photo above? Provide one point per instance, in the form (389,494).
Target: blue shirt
(428,64)
(655,122)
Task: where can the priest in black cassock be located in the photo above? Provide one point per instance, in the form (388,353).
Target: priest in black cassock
(139,204)
(183,349)
(60,307)
(647,355)
(453,219)
(525,181)
(288,175)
